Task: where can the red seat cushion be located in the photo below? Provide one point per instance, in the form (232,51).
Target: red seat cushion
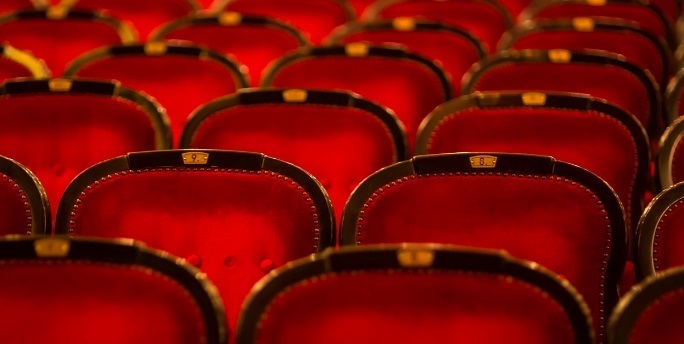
(456,52)
(317,18)
(372,307)
(180,83)
(254,45)
(145,16)
(58,42)
(485,20)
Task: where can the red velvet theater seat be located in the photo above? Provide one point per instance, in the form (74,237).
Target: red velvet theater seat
(60,291)
(674,107)
(651,312)
(453,48)
(580,130)
(58,35)
(57,128)
(485,19)
(145,15)
(181,77)
(16,63)
(317,18)
(409,84)
(600,74)
(617,36)
(24,207)
(360,6)
(661,233)
(235,215)
(338,137)
(649,17)
(537,208)
(670,159)
(13,5)
(414,294)
(255,41)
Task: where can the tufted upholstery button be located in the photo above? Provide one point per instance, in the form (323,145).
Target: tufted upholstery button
(194,260)
(230,261)
(267,265)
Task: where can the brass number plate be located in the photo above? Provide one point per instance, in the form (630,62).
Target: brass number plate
(195,158)
(356,49)
(483,161)
(534,99)
(416,258)
(52,247)
(295,96)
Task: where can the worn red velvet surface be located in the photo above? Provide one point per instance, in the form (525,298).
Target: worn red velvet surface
(554,223)
(11,5)
(678,163)
(58,136)
(94,303)
(339,146)
(667,252)
(144,15)
(480,18)
(613,84)
(253,46)
(661,321)
(634,47)
(315,18)
(58,41)
(645,17)
(10,69)
(454,52)
(595,142)
(407,87)
(15,215)
(234,224)
(180,84)
(446,307)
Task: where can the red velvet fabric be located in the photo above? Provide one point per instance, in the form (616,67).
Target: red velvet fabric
(552,222)
(595,142)
(407,87)
(669,7)
(144,15)
(613,84)
(661,321)
(58,136)
(645,17)
(58,41)
(206,3)
(231,222)
(400,307)
(317,18)
(11,69)
(360,6)
(667,252)
(12,5)
(453,52)
(678,163)
(15,212)
(253,46)
(480,18)
(634,47)
(339,146)
(81,302)
(181,84)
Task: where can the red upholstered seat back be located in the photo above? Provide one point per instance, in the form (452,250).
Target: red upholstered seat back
(337,137)
(181,79)
(674,107)
(13,5)
(599,75)
(106,297)
(59,134)
(670,159)
(317,18)
(360,6)
(145,16)
(254,41)
(233,218)
(486,20)
(60,40)
(455,49)
(549,212)
(669,236)
(636,45)
(409,84)
(670,8)
(659,322)
(649,18)
(24,207)
(374,301)
(572,129)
